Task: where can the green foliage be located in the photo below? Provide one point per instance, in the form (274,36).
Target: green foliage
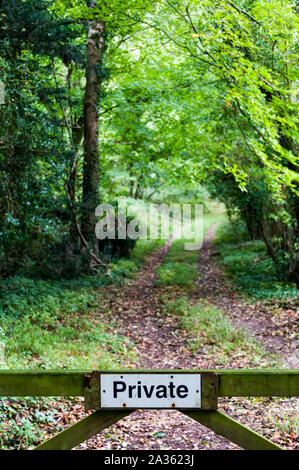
(48,324)
(124,268)
(264,218)
(198,93)
(192,94)
(232,231)
(249,266)
(25,421)
(243,69)
(182,193)
(32,155)
(242,50)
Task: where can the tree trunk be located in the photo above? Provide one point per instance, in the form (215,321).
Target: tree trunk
(91,167)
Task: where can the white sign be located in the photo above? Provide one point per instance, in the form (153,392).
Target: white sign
(151,390)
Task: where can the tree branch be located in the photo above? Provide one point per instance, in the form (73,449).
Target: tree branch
(242,12)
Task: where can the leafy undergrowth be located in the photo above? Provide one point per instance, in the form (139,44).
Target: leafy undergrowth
(52,325)
(25,421)
(49,325)
(249,266)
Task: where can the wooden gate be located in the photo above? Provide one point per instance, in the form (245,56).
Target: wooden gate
(231,383)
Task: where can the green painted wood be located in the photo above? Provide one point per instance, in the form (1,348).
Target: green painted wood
(280,383)
(232,383)
(41,384)
(92,396)
(83,430)
(232,430)
(209,391)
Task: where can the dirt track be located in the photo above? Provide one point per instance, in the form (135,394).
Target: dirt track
(160,343)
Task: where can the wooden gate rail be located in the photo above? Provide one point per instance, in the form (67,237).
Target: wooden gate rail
(231,383)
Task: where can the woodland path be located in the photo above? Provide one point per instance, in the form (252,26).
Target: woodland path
(274,331)
(160,343)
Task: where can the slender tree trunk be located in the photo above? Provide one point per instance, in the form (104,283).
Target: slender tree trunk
(91,167)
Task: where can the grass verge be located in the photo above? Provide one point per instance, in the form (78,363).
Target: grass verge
(180,266)
(212,334)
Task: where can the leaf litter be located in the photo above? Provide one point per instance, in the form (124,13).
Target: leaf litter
(135,310)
